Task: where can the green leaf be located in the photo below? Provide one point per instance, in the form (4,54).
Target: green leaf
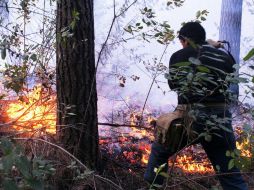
(204,12)
(162,166)
(231,164)
(24,166)
(217,167)
(161,42)
(154,23)
(157,34)
(71,114)
(33,57)
(9,185)
(249,55)
(208,138)
(157,185)
(227,153)
(226,129)
(208,80)
(237,152)
(164,174)
(3,53)
(203,69)
(189,76)
(203,18)
(1,165)
(195,61)
(36,184)
(198,14)
(182,64)
(8,162)
(6,146)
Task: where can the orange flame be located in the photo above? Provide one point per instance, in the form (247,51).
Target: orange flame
(188,164)
(146,152)
(244,147)
(37,112)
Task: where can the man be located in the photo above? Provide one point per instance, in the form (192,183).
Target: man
(198,73)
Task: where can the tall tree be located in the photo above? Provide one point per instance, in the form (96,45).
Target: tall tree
(4,9)
(76,89)
(230,24)
(230,28)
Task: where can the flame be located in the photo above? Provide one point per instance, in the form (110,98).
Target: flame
(244,147)
(146,152)
(136,119)
(188,164)
(36,111)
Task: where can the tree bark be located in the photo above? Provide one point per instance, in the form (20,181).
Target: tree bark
(76,85)
(230,30)
(230,25)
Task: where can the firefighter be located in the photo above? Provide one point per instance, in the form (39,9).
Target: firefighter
(198,73)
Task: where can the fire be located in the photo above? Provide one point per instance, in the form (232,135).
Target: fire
(136,119)
(188,164)
(146,149)
(244,147)
(36,112)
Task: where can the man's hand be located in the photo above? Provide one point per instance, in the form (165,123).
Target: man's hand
(216,44)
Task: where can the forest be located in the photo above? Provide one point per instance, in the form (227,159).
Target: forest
(84,85)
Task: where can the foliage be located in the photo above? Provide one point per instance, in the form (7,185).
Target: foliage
(249,55)
(18,171)
(27,59)
(150,29)
(158,171)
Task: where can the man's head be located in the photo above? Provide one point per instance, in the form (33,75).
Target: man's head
(192,31)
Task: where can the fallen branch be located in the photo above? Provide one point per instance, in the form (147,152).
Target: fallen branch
(125,125)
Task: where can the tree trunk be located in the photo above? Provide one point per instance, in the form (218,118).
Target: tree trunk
(4,14)
(76,85)
(230,25)
(230,30)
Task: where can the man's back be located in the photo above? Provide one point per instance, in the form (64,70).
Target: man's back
(206,82)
